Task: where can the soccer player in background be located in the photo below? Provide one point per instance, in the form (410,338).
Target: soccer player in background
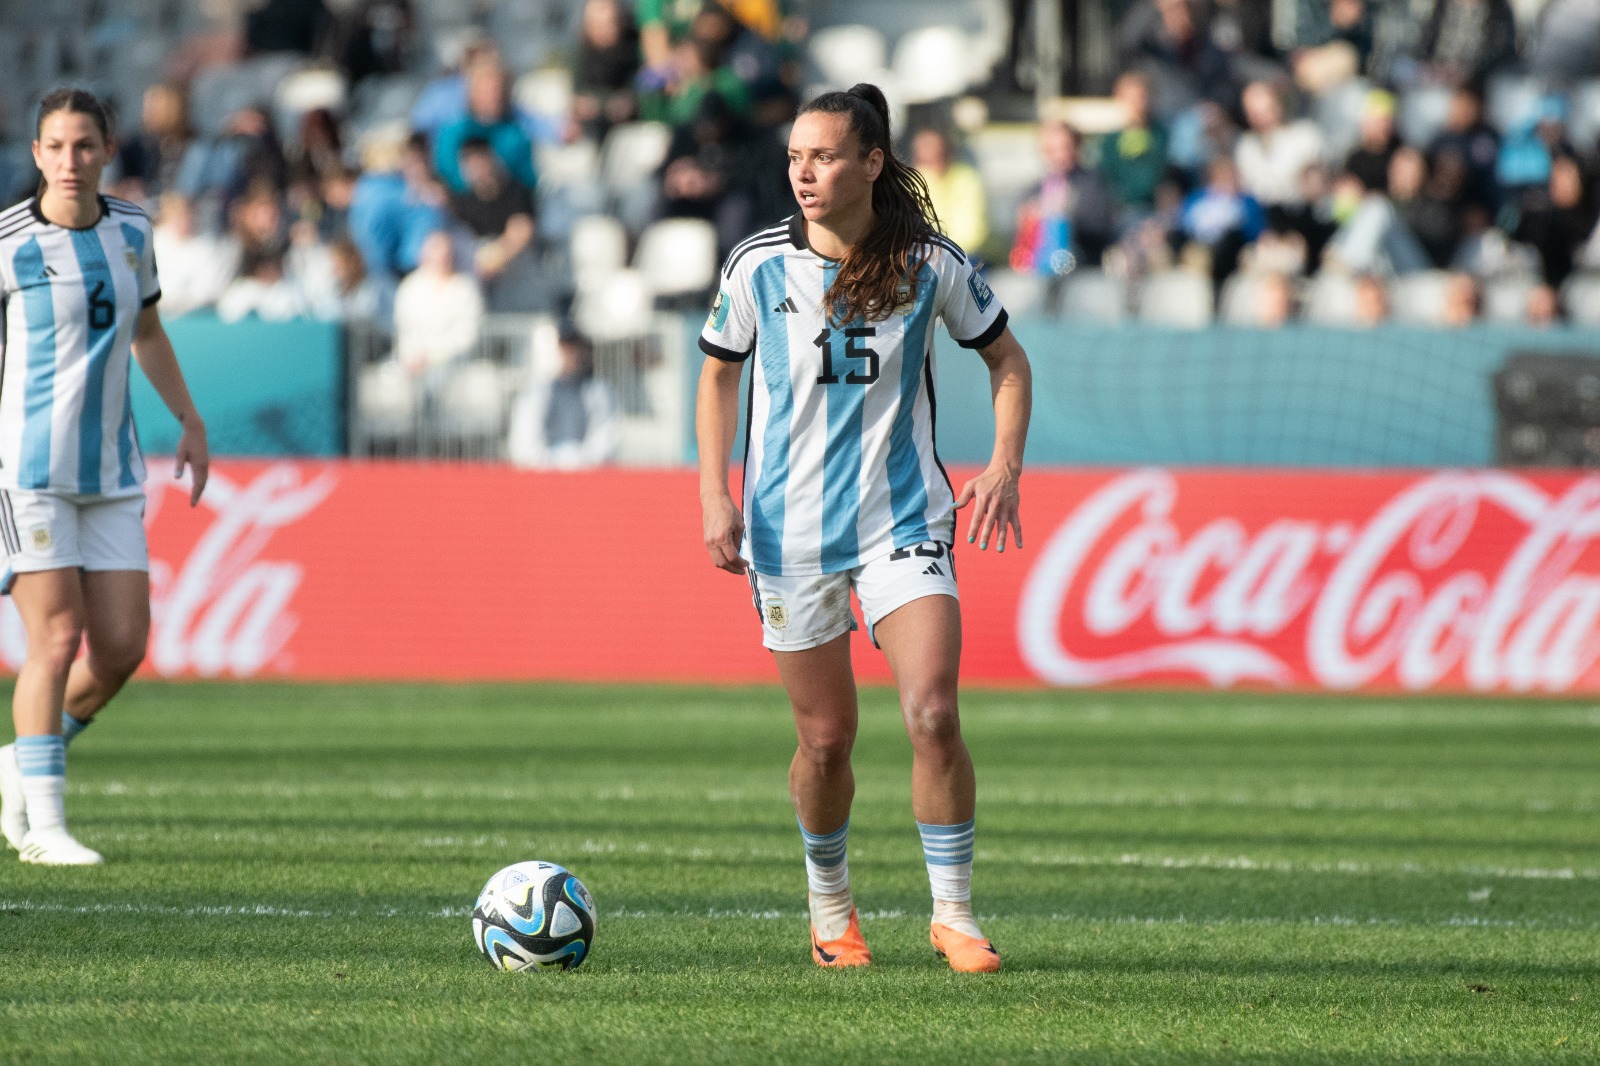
(843,489)
(78,290)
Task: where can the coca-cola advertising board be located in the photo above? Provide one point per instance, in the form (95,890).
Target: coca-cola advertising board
(1466,581)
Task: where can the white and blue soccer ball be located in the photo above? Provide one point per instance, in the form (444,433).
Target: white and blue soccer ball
(534,916)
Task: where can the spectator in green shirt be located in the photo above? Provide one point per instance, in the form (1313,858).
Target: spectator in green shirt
(1134,159)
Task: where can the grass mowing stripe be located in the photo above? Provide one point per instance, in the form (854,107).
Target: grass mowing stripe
(1207,878)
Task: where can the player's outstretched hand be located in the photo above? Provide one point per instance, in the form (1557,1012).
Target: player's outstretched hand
(723,526)
(193,453)
(997,507)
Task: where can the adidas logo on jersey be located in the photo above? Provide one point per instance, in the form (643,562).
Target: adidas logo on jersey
(786,308)
(933,568)
(49,272)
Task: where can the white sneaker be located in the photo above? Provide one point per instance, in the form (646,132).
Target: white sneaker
(55,847)
(13,803)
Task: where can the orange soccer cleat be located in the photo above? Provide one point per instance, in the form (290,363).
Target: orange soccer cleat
(849,950)
(966,954)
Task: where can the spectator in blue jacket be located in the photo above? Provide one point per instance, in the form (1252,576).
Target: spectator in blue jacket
(490,117)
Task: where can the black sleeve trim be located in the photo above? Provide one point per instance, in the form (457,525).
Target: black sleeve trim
(727,355)
(150,300)
(988,336)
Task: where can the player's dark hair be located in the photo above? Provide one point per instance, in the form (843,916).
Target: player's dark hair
(80,100)
(869,284)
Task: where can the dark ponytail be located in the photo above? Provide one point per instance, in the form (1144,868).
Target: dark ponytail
(79,100)
(871,277)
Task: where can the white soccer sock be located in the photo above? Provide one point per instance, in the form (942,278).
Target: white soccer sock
(957,916)
(948,851)
(830,913)
(46,800)
(828,878)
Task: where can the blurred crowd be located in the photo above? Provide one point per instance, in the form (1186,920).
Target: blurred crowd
(1368,142)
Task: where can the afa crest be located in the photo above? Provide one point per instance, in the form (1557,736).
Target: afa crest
(777,614)
(132,257)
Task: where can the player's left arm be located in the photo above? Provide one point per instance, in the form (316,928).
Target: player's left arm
(153,348)
(994,493)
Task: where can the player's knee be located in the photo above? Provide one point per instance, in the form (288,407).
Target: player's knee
(931,719)
(827,748)
(57,645)
(118,658)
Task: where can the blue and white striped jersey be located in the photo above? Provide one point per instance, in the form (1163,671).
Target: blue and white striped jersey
(69,300)
(840,465)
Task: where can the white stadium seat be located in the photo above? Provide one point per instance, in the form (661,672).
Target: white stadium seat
(844,55)
(617,307)
(598,248)
(632,154)
(1580,295)
(1418,299)
(387,401)
(678,256)
(1176,298)
(933,63)
(1091,295)
(1505,299)
(1330,300)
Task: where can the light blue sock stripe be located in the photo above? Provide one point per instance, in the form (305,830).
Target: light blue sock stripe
(826,849)
(71,727)
(947,845)
(44,756)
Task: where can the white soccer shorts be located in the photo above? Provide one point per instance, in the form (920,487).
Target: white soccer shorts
(809,610)
(51,531)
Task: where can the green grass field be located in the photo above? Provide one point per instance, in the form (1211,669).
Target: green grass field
(1171,878)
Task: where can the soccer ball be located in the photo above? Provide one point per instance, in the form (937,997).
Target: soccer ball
(534,916)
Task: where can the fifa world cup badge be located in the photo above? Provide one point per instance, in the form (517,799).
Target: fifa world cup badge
(777,614)
(40,538)
(719,313)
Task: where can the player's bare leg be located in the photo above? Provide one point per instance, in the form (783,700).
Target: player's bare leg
(922,641)
(51,605)
(117,623)
(822,693)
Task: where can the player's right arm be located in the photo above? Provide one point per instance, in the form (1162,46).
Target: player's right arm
(716,419)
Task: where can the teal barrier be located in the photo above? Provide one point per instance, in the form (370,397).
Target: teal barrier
(263,388)
(1298,396)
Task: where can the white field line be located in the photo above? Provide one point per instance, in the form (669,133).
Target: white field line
(1237,863)
(263,910)
(628,793)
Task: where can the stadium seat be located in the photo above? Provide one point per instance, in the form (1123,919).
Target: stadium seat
(1241,300)
(1418,299)
(1583,121)
(629,159)
(844,55)
(598,248)
(1580,295)
(218,91)
(617,307)
(1019,294)
(1505,299)
(1330,300)
(633,152)
(678,258)
(379,100)
(307,90)
(469,414)
(1176,298)
(1338,111)
(1091,295)
(1423,109)
(933,63)
(1511,99)
(387,405)
(546,93)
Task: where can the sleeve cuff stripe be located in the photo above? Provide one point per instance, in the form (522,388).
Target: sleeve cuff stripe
(988,336)
(152,298)
(727,355)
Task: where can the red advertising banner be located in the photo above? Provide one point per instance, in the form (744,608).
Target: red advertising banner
(1483,581)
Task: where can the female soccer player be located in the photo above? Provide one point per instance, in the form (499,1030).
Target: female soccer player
(843,490)
(78,289)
